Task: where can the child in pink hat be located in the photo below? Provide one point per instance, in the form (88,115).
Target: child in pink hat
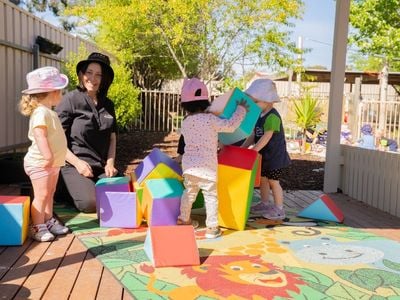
(199,161)
(47,152)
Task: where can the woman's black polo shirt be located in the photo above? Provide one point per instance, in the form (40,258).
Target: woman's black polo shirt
(87,127)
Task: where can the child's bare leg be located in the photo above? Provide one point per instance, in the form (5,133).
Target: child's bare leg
(42,197)
(277,192)
(264,189)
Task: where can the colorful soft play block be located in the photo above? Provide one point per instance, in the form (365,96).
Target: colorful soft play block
(225,105)
(323,209)
(237,168)
(139,191)
(257,181)
(14,220)
(171,246)
(150,167)
(161,201)
(110,184)
(120,209)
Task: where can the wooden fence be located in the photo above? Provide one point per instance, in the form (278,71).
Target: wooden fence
(161,111)
(372,177)
(18,32)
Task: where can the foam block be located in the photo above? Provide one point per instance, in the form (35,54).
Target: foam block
(236,179)
(14,220)
(170,246)
(323,209)
(110,184)
(257,181)
(120,209)
(238,157)
(225,105)
(161,201)
(148,167)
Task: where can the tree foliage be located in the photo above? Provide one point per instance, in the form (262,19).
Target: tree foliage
(376,26)
(161,39)
(124,95)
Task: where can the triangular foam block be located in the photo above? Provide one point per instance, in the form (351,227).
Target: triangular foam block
(170,246)
(155,157)
(323,209)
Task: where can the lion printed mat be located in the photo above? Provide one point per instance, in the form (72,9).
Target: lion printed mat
(327,261)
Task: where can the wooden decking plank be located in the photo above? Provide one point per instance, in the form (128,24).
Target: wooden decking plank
(357,218)
(88,279)
(44,271)
(363,214)
(66,274)
(109,288)
(290,201)
(10,255)
(22,269)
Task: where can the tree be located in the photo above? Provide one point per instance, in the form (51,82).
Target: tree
(161,39)
(377,33)
(56,7)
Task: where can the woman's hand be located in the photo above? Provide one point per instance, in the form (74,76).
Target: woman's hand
(110,170)
(84,168)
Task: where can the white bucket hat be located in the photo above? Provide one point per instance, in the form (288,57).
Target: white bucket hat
(45,79)
(264,90)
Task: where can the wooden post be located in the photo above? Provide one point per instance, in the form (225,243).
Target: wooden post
(354,117)
(333,154)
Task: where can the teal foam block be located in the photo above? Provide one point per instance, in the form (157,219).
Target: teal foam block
(225,105)
(320,210)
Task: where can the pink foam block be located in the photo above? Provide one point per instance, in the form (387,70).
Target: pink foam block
(170,246)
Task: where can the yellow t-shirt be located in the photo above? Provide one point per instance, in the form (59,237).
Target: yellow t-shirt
(43,116)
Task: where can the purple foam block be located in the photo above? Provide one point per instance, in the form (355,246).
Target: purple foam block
(119,209)
(165,211)
(102,189)
(155,157)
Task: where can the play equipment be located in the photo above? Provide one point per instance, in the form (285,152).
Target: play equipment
(237,169)
(120,209)
(323,208)
(14,220)
(171,246)
(161,201)
(225,105)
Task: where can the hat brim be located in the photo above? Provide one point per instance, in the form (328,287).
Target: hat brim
(107,67)
(263,99)
(63,84)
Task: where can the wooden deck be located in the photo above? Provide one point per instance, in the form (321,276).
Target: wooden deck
(64,269)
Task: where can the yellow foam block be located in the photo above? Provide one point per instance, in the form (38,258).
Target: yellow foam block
(235,191)
(162,171)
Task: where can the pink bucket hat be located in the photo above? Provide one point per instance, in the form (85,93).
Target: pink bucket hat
(45,79)
(264,90)
(193,90)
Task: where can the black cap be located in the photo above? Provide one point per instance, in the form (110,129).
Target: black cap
(96,57)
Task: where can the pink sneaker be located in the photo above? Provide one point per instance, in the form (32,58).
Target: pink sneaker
(261,207)
(275,214)
(55,227)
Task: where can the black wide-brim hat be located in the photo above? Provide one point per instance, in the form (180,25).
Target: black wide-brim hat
(97,58)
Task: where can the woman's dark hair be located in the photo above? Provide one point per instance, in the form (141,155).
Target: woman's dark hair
(196,106)
(105,83)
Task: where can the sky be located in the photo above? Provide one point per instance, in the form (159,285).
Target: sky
(316,29)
